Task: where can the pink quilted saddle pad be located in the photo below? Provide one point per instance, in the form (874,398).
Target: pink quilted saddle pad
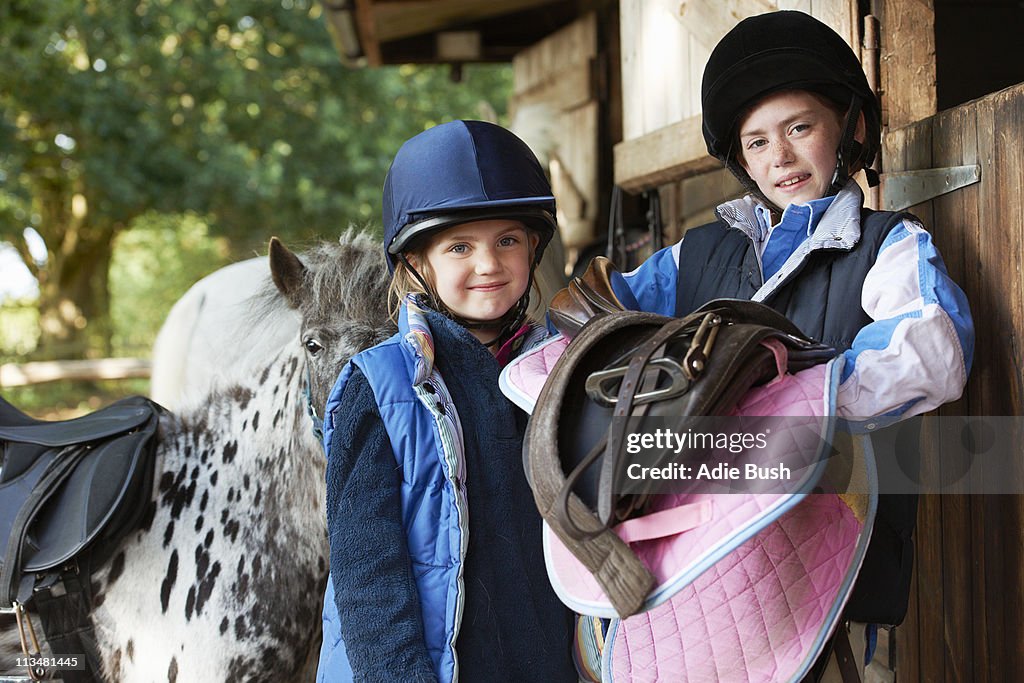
(705,526)
(752,586)
(762,613)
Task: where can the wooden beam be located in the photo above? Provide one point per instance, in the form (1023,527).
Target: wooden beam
(368,32)
(406,18)
(671,153)
(908,61)
(24,374)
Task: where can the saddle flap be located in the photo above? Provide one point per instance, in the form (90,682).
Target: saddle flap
(117,418)
(78,513)
(585,298)
(60,496)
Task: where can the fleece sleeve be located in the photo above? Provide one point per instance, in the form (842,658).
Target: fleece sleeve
(375,593)
(916,353)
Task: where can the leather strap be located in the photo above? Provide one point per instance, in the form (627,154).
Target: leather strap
(845,660)
(623,409)
(66,623)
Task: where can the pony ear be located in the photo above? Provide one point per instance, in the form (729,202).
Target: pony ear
(287,270)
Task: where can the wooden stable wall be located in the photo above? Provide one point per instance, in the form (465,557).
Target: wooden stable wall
(966,620)
(555,107)
(665,45)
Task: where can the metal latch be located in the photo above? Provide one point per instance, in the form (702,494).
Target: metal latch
(904,189)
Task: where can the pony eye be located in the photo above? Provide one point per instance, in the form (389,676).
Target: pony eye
(313,347)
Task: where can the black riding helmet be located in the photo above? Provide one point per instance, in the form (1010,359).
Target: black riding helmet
(459,172)
(787,50)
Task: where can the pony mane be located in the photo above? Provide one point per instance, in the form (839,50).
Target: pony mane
(349,275)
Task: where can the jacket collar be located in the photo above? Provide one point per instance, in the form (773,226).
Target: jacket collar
(418,341)
(839,227)
(416,338)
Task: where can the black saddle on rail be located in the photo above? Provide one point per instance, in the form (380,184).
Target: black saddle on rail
(69,487)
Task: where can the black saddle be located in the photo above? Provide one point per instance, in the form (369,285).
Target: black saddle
(68,486)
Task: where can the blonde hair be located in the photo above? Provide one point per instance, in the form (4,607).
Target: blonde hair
(403,282)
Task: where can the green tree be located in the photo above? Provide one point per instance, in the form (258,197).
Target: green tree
(237,110)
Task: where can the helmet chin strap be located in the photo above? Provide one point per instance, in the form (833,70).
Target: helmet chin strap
(506,324)
(849,150)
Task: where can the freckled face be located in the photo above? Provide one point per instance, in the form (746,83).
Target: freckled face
(788,146)
(481,269)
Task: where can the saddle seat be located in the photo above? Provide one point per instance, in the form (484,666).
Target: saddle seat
(67,485)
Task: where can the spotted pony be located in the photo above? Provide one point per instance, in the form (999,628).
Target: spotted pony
(224,580)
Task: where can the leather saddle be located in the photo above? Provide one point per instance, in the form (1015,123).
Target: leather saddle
(68,488)
(620,369)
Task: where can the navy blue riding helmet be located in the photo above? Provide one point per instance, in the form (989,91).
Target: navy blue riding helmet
(459,172)
(787,50)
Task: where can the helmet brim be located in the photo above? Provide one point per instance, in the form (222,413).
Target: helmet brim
(532,216)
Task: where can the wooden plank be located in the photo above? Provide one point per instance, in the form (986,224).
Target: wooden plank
(908,636)
(633,101)
(368,32)
(569,46)
(698,59)
(709,21)
(908,61)
(836,13)
(949,213)
(664,65)
(671,153)
(985,377)
(564,89)
(24,374)
(965,119)
(1008,127)
(406,18)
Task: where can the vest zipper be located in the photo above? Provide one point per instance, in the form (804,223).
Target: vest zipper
(450,432)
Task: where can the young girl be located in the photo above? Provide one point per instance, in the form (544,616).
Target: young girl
(437,570)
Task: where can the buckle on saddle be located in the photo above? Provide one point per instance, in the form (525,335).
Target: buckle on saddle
(696,357)
(597,389)
(27,636)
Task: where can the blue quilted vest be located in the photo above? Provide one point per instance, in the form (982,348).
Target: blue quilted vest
(426,439)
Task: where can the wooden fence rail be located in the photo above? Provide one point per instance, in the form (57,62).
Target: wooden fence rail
(24,374)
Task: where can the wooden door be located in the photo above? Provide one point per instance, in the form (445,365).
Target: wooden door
(966,619)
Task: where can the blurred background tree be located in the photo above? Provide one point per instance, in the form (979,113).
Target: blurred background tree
(149,142)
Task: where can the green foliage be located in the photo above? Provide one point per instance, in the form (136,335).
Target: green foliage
(238,111)
(153,264)
(65,400)
(19,329)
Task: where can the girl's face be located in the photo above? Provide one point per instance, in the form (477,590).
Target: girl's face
(480,269)
(788,145)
